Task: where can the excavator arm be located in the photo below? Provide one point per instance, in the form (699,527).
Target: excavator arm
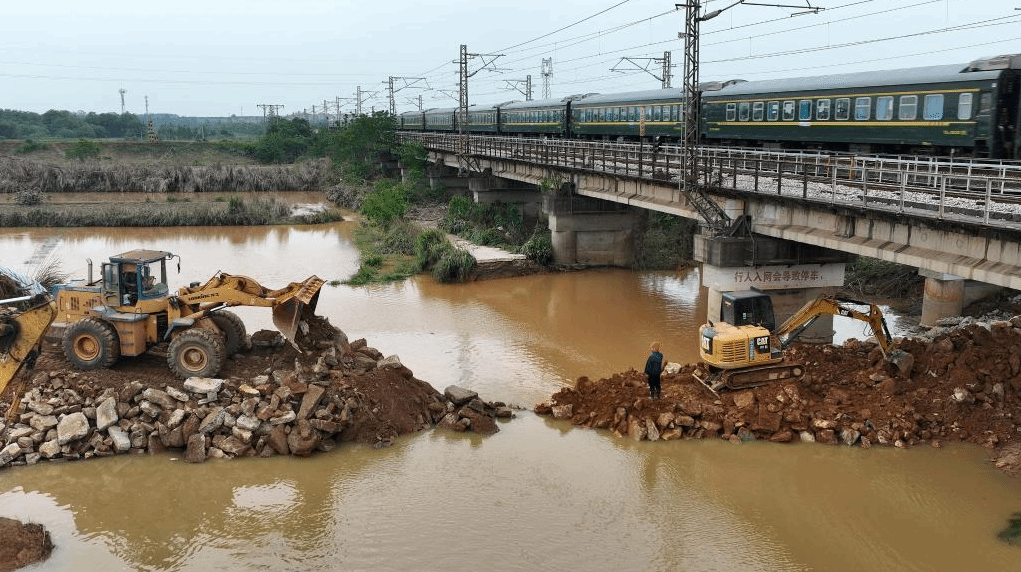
(289,303)
(831,305)
(26,311)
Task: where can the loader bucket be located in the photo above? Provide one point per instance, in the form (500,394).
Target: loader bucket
(295,305)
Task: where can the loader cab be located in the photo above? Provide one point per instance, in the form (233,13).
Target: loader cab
(134,276)
(747,308)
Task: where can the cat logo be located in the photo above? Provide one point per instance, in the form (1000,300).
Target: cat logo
(707,344)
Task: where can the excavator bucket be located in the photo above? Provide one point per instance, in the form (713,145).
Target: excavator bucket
(296,304)
(26,311)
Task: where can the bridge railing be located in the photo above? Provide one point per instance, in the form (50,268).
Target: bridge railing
(979,193)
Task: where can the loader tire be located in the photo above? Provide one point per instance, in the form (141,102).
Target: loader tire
(196,353)
(233,330)
(90,344)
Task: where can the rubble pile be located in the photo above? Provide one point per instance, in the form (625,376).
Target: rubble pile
(273,401)
(964,385)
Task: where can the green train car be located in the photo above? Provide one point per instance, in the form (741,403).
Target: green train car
(439,120)
(942,110)
(536,117)
(482,119)
(653,113)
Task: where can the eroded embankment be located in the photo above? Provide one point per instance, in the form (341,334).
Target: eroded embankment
(965,385)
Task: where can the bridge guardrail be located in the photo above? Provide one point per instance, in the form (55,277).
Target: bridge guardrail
(977,193)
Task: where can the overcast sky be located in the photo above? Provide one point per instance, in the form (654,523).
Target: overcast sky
(224,57)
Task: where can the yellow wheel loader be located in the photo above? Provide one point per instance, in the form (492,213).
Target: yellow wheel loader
(26,311)
(130,309)
(744,350)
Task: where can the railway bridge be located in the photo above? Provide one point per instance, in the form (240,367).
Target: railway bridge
(793,218)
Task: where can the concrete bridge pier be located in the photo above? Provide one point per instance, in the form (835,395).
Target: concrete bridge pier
(591,231)
(440,175)
(946,295)
(488,189)
(791,273)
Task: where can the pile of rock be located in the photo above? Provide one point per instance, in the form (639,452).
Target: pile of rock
(333,396)
(464,411)
(964,385)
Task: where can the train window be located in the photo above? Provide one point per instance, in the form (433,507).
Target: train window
(822,109)
(805,110)
(964,106)
(862,108)
(884,108)
(933,110)
(842,109)
(985,103)
(632,113)
(731,112)
(773,110)
(788,111)
(657,113)
(743,111)
(757,108)
(908,109)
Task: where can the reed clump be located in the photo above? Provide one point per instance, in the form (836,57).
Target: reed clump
(19,173)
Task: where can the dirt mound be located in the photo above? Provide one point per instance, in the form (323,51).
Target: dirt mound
(22,544)
(965,385)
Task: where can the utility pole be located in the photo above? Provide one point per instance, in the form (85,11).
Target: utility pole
(393,104)
(358,100)
(666,70)
(462,109)
(665,61)
(122,91)
(547,74)
(526,91)
(409,82)
(149,127)
(270,110)
(717,219)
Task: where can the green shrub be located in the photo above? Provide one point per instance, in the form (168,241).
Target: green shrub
(235,205)
(82,149)
(29,146)
(429,247)
(399,238)
(385,203)
(539,248)
(455,265)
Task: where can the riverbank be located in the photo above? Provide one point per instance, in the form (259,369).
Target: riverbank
(964,385)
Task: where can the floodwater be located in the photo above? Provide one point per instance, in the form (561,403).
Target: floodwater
(538,495)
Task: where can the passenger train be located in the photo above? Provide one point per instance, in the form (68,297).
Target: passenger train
(972,109)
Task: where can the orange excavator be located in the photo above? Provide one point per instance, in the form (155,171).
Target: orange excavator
(26,311)
(744,350)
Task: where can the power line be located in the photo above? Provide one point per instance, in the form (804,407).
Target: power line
(585,19)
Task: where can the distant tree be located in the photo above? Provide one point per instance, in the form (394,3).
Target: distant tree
(285,140)
(83,149)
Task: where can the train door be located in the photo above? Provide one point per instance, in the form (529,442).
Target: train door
(1006,117)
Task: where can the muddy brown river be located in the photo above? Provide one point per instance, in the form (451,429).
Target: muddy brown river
(538,495)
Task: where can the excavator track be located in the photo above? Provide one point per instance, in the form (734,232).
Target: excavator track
(716,379)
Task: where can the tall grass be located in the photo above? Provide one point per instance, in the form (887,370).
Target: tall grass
(18,173)
(234,212)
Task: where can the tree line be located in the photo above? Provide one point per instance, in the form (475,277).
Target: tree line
(56,124)
(67,125)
